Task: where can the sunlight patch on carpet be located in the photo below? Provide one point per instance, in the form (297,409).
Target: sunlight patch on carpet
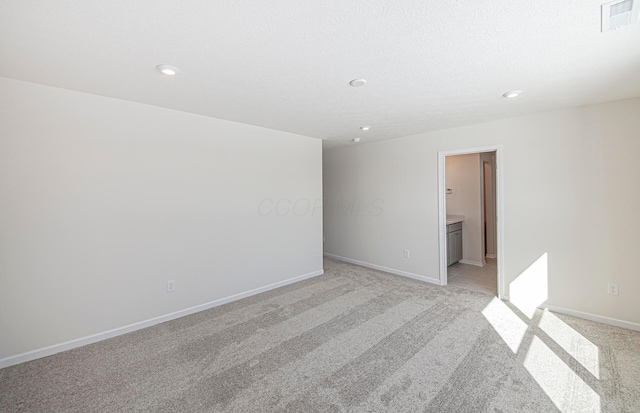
(564,387)
(581,349)
(510,328)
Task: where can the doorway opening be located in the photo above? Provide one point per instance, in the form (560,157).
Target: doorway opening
(470,218)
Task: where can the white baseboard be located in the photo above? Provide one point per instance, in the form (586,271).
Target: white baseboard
(385,269)
(593,317)
(57,348)
(470,262)
(490,256)
(587,316)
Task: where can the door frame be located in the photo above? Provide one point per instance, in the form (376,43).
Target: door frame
(442,211)
(492,207)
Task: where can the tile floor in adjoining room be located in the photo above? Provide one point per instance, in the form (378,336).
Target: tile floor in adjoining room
(482,279)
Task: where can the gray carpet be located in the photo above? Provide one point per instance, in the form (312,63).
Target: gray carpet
(355,340)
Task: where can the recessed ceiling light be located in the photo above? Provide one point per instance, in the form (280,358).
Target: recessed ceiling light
(168,70)
(365,128)
(512,94)
(356,140)
(358,82)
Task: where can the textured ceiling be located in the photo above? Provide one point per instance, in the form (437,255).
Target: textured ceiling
(286,64)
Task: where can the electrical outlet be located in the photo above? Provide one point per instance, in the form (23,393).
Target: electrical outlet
(171,286)
(612,289)
(407,253)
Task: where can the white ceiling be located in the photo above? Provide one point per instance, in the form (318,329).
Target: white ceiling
(286,64)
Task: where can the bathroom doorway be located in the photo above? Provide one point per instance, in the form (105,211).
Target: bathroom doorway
(470,194)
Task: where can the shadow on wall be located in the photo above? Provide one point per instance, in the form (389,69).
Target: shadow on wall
(525,331)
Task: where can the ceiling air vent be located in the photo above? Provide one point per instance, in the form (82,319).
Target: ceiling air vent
(619,13)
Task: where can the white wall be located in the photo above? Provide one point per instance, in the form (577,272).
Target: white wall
(463,177)
(102,201)
(570,190)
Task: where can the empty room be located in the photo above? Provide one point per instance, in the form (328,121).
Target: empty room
(285,206)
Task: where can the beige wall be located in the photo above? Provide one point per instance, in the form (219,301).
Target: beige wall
(570,190)
(102,201)
(463,178)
